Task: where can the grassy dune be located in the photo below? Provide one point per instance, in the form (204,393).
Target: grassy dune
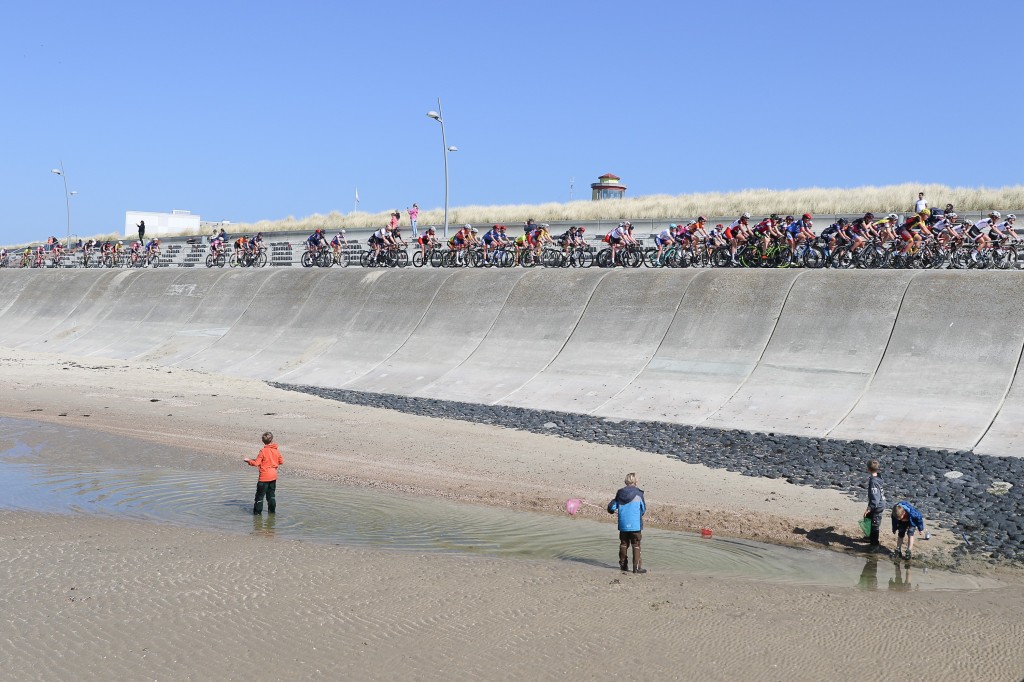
(897,198)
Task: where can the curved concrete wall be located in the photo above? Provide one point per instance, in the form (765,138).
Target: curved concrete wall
(924,358)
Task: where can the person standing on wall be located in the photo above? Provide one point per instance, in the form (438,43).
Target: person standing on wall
(142,229)
(921,204)
(414,214)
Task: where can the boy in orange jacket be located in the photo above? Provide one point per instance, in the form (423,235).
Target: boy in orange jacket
(267,460)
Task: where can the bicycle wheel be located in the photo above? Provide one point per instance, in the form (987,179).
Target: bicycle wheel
(306,260)
(261,260)
(437,258)
(417,259)
(584,258)
(603,258)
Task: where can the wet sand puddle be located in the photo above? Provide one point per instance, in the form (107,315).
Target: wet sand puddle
(53,469)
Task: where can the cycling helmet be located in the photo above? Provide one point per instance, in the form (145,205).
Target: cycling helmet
(672,226)
(582,229)
(342,233)
(842,221)
(701,219)
(473,230)
(691,222)
(467,226)
(951,217)
(1010,218)
(501,227)
(431,230)
(120,243)
(544,226)
(995,214)
(622,224)
(892,216)
(745,215)
(869,216)
(790,219)
(806,216)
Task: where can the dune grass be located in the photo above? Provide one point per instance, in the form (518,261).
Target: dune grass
(898,198)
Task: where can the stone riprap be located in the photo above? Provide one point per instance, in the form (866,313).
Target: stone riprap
(972,504)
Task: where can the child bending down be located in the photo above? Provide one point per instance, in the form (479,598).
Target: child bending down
(905,519)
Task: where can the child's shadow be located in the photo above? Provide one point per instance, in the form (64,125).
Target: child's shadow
(828,537)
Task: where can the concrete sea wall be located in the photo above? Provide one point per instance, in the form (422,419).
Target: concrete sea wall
(921,358)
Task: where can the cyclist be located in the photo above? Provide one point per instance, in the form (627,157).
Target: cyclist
(666,237)
(378,239)
(621,235)
(491,239)
(979,232)
(798,230)
(458,241)
(766,230)
(241,246)
(3,258)
(256,243)
(861,229)
(216,245)
(696,229)
(538,238)
(337,242)
(1005,228)
(152,248)
(317,241)
(886,229)
(739,230)
(910,232)
(945,227)
(427,240)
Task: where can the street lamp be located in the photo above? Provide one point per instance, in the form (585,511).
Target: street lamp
(67,197)
(436,115)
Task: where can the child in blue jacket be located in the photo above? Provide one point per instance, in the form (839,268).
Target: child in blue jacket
(904,519)
(629,503)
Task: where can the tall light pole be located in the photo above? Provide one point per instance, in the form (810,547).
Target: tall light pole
(67,198)
(436,115)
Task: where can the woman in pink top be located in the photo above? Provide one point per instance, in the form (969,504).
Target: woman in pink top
(414,214)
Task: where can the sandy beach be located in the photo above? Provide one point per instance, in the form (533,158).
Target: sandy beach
(98,598)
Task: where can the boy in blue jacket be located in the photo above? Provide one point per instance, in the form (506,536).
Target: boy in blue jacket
(904,519)
(629,503)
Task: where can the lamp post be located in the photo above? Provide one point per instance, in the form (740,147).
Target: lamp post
(436,115)
(67,198)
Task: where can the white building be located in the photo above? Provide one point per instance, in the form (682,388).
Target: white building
(160,224)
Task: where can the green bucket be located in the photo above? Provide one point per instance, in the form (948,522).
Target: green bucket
(865,526)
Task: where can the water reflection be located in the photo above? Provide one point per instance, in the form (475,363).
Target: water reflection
(210,493)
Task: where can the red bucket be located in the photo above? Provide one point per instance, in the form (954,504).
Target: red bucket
(705,532)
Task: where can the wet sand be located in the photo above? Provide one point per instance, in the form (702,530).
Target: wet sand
(224,416)
(89,598)
(93,598)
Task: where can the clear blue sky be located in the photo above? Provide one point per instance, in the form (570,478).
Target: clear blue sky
(249,110)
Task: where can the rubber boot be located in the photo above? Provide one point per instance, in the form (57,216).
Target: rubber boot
(623,560)
(637,567)
(873,539)
(257,508)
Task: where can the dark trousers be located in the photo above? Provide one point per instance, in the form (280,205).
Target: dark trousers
(876,525)
(629,539)
(268,489)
